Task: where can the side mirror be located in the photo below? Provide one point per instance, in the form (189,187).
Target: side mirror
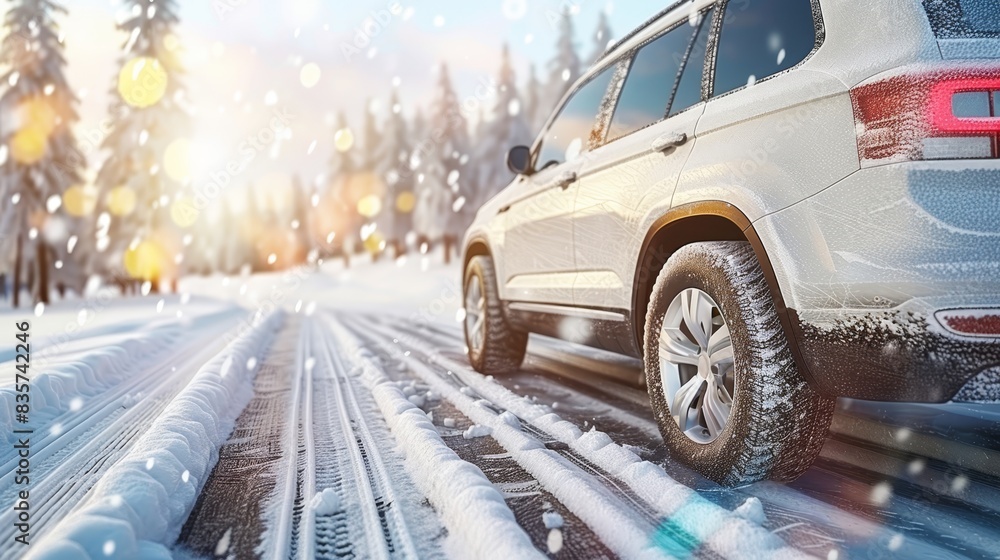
(519,160)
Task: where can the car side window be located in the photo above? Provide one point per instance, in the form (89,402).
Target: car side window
(762,38)
(570,133)
(689,89)
(650,83)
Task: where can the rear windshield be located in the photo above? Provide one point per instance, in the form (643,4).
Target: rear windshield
(964,19)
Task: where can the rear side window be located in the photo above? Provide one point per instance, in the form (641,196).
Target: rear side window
(570,133)
(650,84)
(689,89)
(760,38)
(964,19)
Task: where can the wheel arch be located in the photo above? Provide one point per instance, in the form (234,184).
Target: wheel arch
(477,246)
(696,223)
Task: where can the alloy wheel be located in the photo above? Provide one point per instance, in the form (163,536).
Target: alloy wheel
(697,366)
(475,314)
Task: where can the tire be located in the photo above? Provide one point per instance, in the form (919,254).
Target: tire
(501,348)
(777,423)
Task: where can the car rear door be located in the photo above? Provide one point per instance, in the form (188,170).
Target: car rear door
(635,172)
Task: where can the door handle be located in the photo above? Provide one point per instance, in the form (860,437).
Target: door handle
(566,179)
(669,141)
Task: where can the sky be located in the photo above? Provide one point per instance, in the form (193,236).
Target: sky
(244,61)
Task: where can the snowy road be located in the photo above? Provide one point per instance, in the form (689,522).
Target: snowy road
(333,431)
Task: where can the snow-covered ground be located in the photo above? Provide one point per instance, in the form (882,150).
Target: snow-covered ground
(330,413)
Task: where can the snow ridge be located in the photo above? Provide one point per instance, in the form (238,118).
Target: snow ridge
(479,523)
(724,532)
(53,390)
(622,529)
(139,506)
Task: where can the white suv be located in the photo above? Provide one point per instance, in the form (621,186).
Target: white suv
(774,203)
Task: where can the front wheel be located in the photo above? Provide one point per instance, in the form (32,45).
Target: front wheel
(725,388)
(494,347)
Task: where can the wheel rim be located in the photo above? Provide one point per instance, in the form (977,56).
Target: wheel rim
(696,365)
(475,314)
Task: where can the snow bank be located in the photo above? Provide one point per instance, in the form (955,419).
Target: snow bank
(729,534)
(140,504)
(53,388)
(479,522)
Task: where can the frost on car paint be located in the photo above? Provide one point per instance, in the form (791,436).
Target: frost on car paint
(855,148)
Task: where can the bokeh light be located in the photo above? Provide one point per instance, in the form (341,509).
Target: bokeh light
(370,206)
(147,261)
(177,160)
(28,146)
(79,201)
(310,75)
(374,243)
(344,140)
(142,82)
(406,202)
(38,113)
(121,201)
(183,211)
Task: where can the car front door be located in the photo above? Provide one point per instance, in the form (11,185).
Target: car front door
(538,252)
(634,174)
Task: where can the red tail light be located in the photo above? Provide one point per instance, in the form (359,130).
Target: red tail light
(932,116)
(972,322)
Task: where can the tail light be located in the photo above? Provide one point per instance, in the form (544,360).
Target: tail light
(930,116)
(971,322)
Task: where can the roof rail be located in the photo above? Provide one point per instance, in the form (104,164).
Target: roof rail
(673,6)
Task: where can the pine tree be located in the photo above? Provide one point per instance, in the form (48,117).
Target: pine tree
(250,225)
(370,137)
(146,116)
(442,213)
(505,128)
(564,68)
(533,101)
(602,38)
(368,188)
(339,222)
(393,160)
(299,226)
(42,157)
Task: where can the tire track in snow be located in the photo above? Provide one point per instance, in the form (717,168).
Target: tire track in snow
(67,464)
(388,535)
(689,522)
(626,531)
(162,474)
(229,515)
(523,500)
(815,516)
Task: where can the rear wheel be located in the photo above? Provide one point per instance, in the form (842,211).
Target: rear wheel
(494,347)
(727,394)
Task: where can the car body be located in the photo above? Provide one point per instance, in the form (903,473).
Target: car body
(863,168)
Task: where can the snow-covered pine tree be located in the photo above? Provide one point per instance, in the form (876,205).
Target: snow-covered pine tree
(299,222)
(505,127)
(369,190)
(602,38)
(147,115)
(442,214)
(564,68)
(41,159)
(338,223)
(250,225)
(533,112)
(393,159)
